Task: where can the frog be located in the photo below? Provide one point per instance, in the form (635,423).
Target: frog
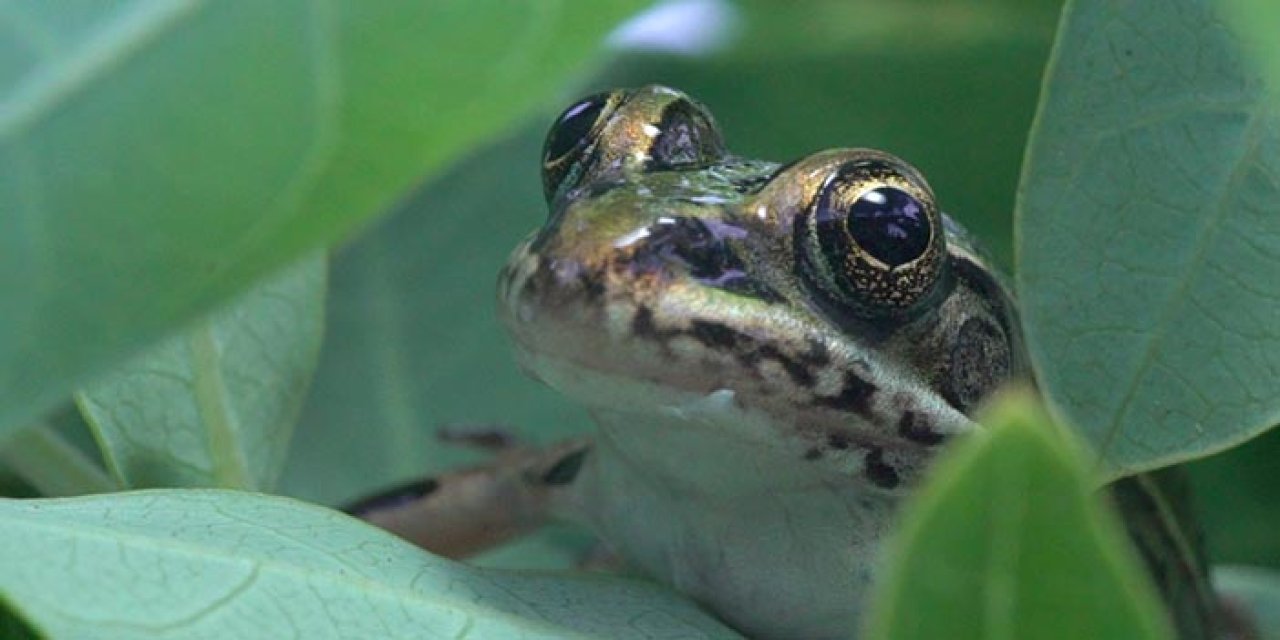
(773,354)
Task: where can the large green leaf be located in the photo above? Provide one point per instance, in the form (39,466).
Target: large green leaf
(157,156)
(1008,539)
(1148,234)
(220,564)
(215,405)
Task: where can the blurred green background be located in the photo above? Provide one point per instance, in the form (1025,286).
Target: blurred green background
(412,341)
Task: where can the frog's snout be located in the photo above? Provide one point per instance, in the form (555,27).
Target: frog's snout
(548,301)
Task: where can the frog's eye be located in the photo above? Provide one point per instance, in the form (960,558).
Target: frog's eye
(871,239)
(571,138)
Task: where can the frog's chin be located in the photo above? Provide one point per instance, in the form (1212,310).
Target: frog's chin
(601,390)
(667,429)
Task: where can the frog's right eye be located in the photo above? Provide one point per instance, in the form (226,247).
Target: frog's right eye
(572,137)
(871,241)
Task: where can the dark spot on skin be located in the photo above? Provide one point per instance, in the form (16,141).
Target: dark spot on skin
(642,325)
(393,498)
(855,395)
(838,441)
(813,453)
(703,249)
(915,428)
(878,472)
(798,373)
(748,350)
(566,469)
(533,283)
(713,334)
(593,286)
(750,184)
(818,355)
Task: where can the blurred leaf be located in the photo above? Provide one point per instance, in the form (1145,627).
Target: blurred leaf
(159,156)
(215,405)
(1238,504)
(1149,235)
(220,564)
(905,27)
(1256,593)
(1258,21)
(413,343)
(50,465)
(1008,540)
(958,112)
(12,627)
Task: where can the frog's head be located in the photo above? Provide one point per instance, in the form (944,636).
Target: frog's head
(827,304)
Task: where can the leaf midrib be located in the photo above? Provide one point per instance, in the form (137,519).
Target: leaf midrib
(1176,300)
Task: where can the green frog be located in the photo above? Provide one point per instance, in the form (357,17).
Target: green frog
(773,353)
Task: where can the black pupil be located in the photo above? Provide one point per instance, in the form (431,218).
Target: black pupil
(890,225)
(574,125)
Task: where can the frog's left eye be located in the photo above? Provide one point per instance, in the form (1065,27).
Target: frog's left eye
(571,138)
(872,237)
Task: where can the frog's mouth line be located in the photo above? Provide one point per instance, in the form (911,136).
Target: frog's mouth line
(835,404)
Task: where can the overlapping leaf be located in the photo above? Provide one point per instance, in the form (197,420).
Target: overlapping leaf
(217,564)
(1008,540)
(215,405)
(155,157)
(1148,234)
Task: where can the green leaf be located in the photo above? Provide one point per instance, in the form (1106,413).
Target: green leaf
(159,156)
(1148,235)
(413,342)
(1007,539)
(1237,504)
(215,405)
(50,465)
(1258,21)
(220,564)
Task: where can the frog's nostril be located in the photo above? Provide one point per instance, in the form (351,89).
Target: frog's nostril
(565,271)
